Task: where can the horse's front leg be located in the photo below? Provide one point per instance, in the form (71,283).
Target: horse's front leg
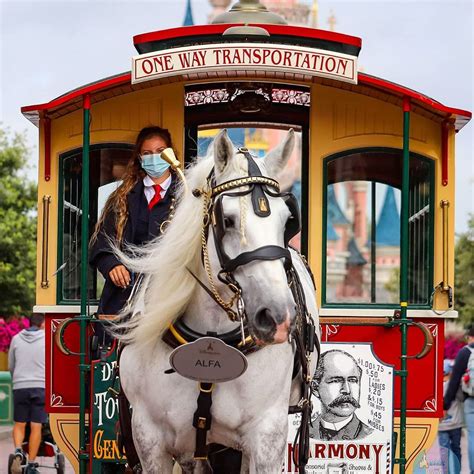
(265,444)
(150,445)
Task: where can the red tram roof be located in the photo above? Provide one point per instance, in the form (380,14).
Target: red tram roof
(145,41)
(174,37)
(121,84)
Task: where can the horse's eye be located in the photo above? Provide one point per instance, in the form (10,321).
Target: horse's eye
(228,222)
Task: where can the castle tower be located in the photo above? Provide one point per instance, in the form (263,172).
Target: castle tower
(359,193)
(294,12)
(314,15)
(188,18)
(332,21)
(388,225)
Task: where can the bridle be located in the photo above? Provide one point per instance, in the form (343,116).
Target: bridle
(259,187)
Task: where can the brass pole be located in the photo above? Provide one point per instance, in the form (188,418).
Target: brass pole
(444,206)
(44,256)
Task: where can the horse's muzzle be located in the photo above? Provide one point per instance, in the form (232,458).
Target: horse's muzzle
(270,328)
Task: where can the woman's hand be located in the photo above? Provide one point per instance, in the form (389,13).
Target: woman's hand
(120,276)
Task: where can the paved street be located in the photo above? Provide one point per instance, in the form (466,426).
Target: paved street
(6,449)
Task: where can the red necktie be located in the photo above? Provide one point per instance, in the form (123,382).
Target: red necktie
(156,198)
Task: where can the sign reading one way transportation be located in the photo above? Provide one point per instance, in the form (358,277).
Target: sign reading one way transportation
(244,56)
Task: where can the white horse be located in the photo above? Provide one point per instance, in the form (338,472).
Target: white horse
(249,413)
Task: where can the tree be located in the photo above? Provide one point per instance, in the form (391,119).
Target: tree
(464,274)
(17,228)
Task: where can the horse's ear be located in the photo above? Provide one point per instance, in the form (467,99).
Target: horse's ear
(223,150)
(277,158)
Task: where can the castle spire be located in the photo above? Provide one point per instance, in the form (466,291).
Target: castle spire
(388,225)
(188,19)
(314,14)
(332,21)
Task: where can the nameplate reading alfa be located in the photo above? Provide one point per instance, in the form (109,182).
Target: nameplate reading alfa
(208,360)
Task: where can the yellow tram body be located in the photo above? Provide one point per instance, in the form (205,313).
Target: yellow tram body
(342,117)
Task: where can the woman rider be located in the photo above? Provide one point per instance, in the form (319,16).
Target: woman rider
(134,214)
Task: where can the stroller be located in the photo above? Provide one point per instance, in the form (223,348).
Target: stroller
(47,449)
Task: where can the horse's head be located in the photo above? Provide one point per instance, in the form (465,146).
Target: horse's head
(250,228)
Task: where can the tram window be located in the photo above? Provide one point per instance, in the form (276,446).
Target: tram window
(259,141)
(107,164)
(362,245)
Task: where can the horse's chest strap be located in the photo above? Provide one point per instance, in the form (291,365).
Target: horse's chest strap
(202,419)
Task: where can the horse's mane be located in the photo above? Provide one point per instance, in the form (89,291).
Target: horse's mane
(168,285)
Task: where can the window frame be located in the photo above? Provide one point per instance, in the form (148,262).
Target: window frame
(61,157)
(432,197)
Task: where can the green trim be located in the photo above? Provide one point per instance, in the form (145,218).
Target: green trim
(404,264)
(325,234)
(432,197)
(404,211)
(83,367)
(59,260)
(430,278)
(305,194)
(62,156)
(373,241)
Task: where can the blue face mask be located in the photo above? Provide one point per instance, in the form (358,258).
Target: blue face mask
(154,165)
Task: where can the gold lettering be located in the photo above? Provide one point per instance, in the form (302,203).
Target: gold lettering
(98,444)
(106,449)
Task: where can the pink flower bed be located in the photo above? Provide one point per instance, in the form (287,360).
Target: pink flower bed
(9,328)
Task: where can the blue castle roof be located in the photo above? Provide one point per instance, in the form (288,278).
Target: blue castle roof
(335,215)
(388,225)
(355,257)
(188,19)
(331,232)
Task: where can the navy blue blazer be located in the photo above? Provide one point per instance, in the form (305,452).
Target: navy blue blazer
(101,255)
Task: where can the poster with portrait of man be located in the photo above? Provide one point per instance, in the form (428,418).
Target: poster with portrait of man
(352,420)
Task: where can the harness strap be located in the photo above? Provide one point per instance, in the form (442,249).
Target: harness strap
(202,420)
(179,333)
(230,312)
(306,341)
(268,252)
(260,203)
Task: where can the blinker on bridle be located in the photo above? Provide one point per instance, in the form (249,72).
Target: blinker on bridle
(259,187)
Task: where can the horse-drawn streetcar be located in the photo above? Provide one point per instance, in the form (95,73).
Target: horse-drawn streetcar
(371,166)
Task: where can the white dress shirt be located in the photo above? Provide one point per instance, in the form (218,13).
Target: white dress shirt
(150,191)
(337,426)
